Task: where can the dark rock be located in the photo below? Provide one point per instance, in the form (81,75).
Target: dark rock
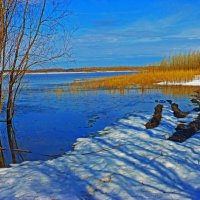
(155,120)
(196,109)
(185,132)
(180,127)
(181,136)
(195,101)
(177,112)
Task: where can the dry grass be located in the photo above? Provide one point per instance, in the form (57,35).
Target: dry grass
(144,79)
(178,68)
(185,61)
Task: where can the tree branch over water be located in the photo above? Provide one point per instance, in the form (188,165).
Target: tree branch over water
(31,33)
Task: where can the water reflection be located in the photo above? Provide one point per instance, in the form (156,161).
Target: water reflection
(166,90)
(173,90)
(2,158)
(9,149)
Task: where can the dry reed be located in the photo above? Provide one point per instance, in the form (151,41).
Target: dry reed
(177,68)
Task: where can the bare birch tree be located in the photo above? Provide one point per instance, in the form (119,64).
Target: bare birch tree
(32,32)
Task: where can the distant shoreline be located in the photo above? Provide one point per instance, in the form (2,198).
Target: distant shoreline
(80,72)
(83,70)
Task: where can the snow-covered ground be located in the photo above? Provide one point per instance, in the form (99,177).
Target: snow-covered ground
(194,82)
(125,162)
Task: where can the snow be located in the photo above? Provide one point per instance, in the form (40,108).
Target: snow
(194,82)
(125,162)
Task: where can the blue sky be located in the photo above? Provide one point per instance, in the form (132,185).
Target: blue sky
(132,32)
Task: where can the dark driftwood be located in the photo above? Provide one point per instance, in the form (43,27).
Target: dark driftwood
(155,120)
(177,112)
(184,132)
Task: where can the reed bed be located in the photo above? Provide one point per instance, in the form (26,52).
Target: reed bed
(187,61)
(142,79)
(177,68)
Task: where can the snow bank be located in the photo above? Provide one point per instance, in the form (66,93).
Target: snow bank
(194,82)
(125,162)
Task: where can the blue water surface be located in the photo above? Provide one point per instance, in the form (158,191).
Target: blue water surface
(48,122)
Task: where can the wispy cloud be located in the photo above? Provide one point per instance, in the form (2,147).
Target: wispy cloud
(151,35)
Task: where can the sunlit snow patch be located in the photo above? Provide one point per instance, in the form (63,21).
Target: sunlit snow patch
(194,82)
